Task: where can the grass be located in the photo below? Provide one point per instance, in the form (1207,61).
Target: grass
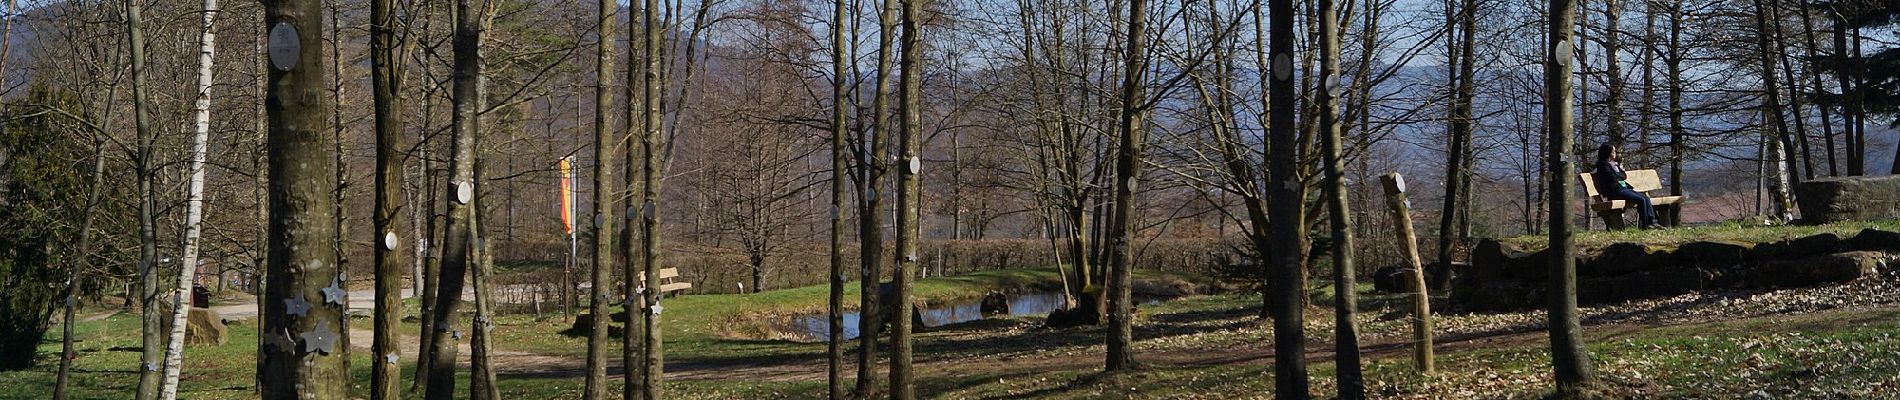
(1736,232)
(1843,352)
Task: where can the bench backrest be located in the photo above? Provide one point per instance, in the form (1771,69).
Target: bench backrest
(1643,180)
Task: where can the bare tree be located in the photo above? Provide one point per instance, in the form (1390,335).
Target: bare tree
(910,144)
(834,338)
(598,296)
(1568,357)
(1345,296)
(472,19)
(1284,202)
(386,75)
(1128,165)
(151,358)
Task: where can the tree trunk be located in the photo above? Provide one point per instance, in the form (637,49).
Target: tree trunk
(84,251)
(1827,121)
(1672,62)
(304,359)
(194,205)
(1408,247)
(633,342)
(909,199)
(834,338)
(604,192)
(870,209)
(1457,171)
(1774,129)
(151,357)
(1290,381)
(471,20)
(1568,357)
(653,369)
(481,365)
(1134,141)
(386,69)
(1345,294)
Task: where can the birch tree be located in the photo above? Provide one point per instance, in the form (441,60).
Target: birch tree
(194,204)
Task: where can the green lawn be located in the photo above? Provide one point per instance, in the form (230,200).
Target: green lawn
(1844,352)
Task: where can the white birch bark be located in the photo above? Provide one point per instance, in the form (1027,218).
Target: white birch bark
(194,213)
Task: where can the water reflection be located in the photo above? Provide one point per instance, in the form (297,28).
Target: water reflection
(814,327)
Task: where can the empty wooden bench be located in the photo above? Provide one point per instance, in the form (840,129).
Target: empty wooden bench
(1643,181)
(669,281)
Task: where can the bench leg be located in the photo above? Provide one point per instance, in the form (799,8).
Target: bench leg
(1665,215)
(1612,220)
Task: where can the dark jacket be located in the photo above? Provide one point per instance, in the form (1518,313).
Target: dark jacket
(1609,177)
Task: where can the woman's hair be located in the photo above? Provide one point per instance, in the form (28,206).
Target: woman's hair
(1603,153)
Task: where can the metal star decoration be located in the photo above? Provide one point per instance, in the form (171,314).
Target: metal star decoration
(334,294)
(297,306)
(657,309)
(320,339)
(390,358)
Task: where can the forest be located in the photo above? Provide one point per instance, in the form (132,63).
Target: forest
(492,199)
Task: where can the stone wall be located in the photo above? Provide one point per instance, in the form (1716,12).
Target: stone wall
(1504,277)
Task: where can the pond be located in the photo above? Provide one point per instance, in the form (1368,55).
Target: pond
(813,327)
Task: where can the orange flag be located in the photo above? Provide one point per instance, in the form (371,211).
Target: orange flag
(567,194)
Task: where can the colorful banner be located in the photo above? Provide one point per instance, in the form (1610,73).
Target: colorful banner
(567,194)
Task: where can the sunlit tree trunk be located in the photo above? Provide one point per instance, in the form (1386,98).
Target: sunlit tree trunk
(604,191)
(1345,297)
(834,338)
(1568,357)
(471,21)
(909,199)
(304,357)
(871,208)
(194,204)
(1774,128)
(151,357)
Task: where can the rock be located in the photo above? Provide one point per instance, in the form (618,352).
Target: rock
(1836,199)
(1391,279)
(1659,283)
(1816,270)
(1487,259)
(1624,258)
(1871,239)
(1824,243)
(1527,266)
(203,326)
(1711,254)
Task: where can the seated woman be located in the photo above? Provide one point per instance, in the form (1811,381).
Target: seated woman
(1612,182)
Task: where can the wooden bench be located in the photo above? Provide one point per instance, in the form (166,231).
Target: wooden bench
(1643,181)
(669,281)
